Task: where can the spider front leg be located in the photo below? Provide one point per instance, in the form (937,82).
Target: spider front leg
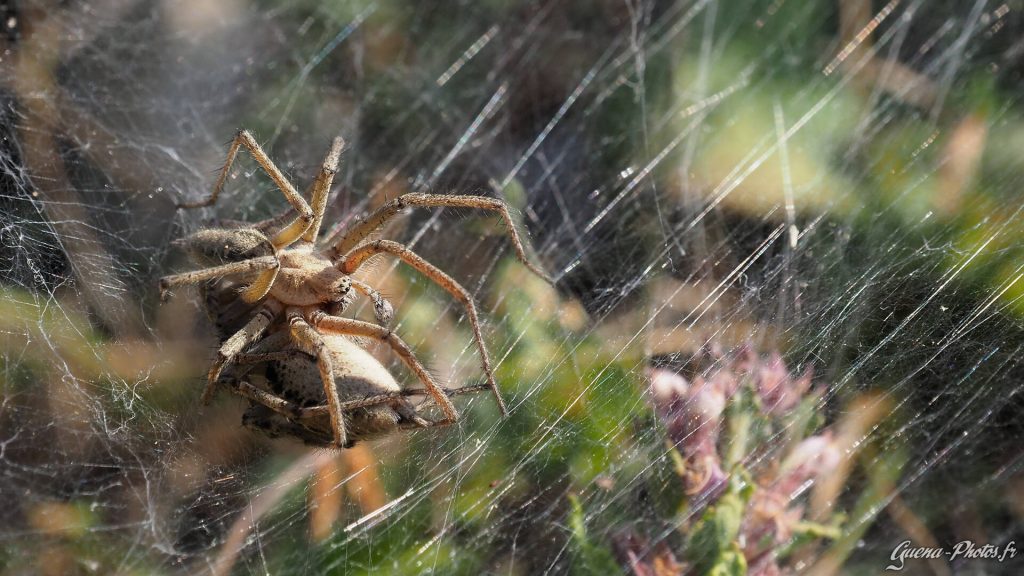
(322,187)
(264,264)
(253,330)
(310,342)
(383,311)
(352,327)
(318,192)
(301,224)
(345,240)
(352,261)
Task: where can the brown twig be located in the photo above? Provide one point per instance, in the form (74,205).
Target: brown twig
(918,532)
(870,72)
(262,504)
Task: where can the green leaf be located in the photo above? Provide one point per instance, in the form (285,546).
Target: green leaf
(730,562)
(713,541)
(595,559)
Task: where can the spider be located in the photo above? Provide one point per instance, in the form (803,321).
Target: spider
(372,401)
(291,277)
(296,405)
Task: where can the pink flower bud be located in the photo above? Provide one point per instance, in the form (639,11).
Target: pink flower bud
(779,392)
(666,386)
(704,407)
(705,481)
(815,456)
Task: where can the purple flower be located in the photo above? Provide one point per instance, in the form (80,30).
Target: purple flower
(704,479)
(703,418)
(694,412)
(771,515)
(769,521)
(693,416)
(643,559)
(667,388)
(779,392)
(814,457)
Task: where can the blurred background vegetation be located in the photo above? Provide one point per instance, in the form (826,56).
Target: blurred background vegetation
(835,181)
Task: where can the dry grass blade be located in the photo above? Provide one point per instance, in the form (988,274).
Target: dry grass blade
(264,503)
(34,84)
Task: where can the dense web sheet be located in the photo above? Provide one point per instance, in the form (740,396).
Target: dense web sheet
(784,334)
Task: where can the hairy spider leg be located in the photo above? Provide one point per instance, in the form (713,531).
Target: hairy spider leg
(321,184)
(353,260)
(278,356)
(347,239)
(293,231)
(261,264)
(296,413)
(260,287)
(252,331)
(349,326)
(280,405)
(309,341)
(322,187)
(287,235)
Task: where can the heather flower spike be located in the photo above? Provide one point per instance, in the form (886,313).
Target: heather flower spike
(778,390)
(693,414)
(746,512)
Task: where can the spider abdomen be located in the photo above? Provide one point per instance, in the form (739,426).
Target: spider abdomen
(358,375)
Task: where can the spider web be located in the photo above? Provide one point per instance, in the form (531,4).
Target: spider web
(837,183)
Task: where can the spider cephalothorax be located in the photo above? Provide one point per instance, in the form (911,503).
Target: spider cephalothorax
(297,290)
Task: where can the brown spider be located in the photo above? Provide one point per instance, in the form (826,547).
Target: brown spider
(373,403)
(291,277)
